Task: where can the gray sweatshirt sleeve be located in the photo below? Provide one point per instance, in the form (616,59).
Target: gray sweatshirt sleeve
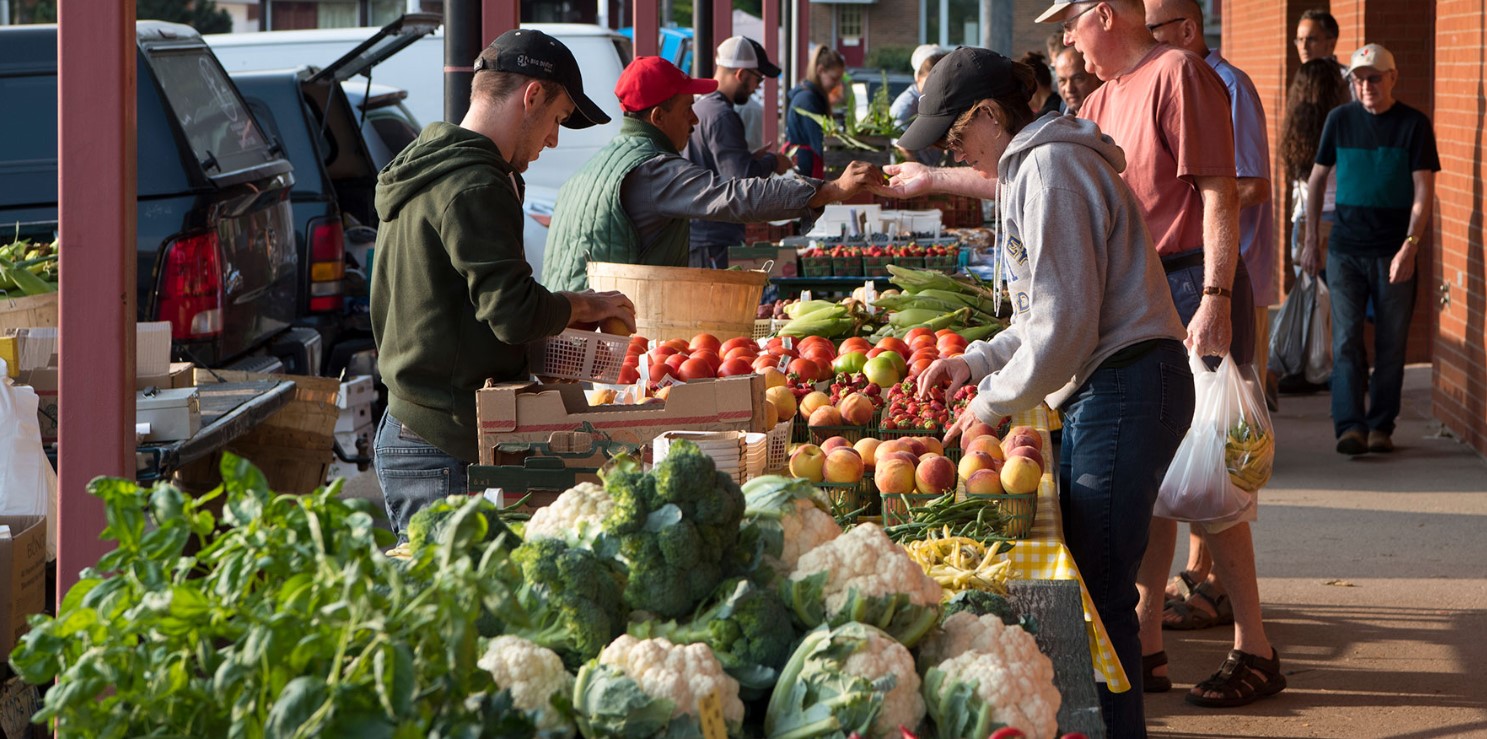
(1050,340)
(672,187)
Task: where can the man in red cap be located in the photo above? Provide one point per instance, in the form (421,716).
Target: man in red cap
(633,202)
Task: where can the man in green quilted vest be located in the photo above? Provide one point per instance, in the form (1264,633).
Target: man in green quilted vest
(633,202)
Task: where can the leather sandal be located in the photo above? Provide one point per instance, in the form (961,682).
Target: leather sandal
(1192,618)
(1242,680)
(1154,683)
(1183,582)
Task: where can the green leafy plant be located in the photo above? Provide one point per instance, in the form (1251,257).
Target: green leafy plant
(289,621)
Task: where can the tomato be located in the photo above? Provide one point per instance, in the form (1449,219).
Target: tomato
(808,370)
(766,361)
(896,345)
(734,367)
(710,357)
(705,341)
(929,354)
(629,376)
(661,370)
(675,361)
(696,369)
(737,341)
(916,332)
(920,342)
(855,344)
(849,362)
(942,333)
(739,352)
(919,366)
(677,345)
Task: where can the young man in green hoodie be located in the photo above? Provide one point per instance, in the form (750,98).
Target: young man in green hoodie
(453,298)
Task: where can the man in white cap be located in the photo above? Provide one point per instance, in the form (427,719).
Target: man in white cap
(719,145)
(1386,161)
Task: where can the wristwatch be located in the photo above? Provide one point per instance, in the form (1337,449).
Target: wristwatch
(1222,292)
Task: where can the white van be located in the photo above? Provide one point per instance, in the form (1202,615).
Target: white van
(601,53)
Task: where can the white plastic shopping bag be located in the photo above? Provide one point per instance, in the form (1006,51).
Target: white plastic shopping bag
(28,485)
(1228,451)
(1319,337)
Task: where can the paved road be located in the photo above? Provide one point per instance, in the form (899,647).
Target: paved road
(1374,579)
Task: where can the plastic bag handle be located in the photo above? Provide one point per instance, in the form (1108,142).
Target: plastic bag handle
(1196,363)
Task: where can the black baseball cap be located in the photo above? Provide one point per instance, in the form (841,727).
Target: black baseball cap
(959,81)
(535,54)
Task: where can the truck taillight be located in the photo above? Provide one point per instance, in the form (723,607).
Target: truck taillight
(327,266)
(191,291)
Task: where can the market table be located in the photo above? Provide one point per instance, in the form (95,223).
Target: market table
(792,286)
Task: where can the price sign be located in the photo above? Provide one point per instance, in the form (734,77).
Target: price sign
(710,716)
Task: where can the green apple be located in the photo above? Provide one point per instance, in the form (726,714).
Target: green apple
(850,363)
(882,371)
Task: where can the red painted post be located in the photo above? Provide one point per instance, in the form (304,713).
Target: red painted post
(803,51)
(722,21)
(771,43)
(647,27)
(96,185)
(498,17)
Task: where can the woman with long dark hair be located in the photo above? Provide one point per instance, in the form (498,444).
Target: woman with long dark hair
(1315,91)
(813,95)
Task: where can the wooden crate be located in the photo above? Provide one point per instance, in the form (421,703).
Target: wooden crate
(32,311)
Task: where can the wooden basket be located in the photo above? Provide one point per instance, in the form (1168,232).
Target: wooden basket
(681,302)
(31,311)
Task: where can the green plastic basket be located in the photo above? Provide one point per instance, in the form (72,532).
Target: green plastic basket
(815,267)
(1019,508)
(896,512)
(846,497)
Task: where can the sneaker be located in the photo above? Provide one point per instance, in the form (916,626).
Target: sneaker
(1352,443)
(1378,441)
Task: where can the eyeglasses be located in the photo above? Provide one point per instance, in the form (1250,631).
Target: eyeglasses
(1372,79)
(755,75)
(1309,40)
(1152,27)
(1068,25)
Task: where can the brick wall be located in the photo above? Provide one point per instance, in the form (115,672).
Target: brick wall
(892,23)
(1460,362)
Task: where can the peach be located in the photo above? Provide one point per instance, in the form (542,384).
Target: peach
(825,416)
(1021,475)
(894,477)
(935,475)
(1029,452)
(812,401)
(975,431)
(773,377)
(901,456)
(856,409)
(984,482)
(843,464)
(988,444)
(867,446)
(1025,436)
(915,445)
(783,400)
(808,463)
(932,445)
(771,414)
(974,462)
(834,442)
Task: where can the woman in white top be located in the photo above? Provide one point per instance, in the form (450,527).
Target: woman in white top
(1315,91)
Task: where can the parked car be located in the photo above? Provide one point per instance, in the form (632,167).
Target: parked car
(306,109)
(215,242)
(419,69)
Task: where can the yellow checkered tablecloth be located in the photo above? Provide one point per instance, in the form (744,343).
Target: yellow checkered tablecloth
(1043,556)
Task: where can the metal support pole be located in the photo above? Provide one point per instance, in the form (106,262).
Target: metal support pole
(462,46)
(647,28)
(703,43)
(944,22)
(96,183)
(771,43)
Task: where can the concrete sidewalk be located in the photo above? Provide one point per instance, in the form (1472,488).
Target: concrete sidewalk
(1373,572)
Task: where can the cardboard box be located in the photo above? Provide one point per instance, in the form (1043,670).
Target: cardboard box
(181,375)
(547,435)
(758,257)
(353,418)
(19,701)
(356,391)
(22,576)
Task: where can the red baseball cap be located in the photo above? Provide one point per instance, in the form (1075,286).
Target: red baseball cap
(651,80)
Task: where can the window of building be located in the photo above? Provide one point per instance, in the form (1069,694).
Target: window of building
(849,21)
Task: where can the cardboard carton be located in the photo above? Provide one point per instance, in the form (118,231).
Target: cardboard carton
(22,576)
(541,437)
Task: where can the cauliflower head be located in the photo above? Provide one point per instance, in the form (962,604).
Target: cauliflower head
(783,519)
(849,679)
(863,576)
(682,673)
(974,693)
(963,632)
(578,512)
(805,529)
(534,675)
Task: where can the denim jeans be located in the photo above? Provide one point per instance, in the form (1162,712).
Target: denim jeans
(1353,282)
(413,473)
(1121,429)
(1187,293)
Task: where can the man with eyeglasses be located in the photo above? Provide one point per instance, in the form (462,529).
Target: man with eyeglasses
(1386,160)
(1316,37)
(719,145)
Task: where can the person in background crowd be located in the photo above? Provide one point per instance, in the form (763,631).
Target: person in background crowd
(906,105)
(1074,82)
(634,201)
(718,145)
(1044,99)
(1086,337)
(1196,597)
(1055,44)
(1315,91)
(1316,38)
(1170,112)
(453,298)
(1386,160)
(813,95)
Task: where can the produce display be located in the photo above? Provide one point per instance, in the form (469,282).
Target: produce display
(27,268)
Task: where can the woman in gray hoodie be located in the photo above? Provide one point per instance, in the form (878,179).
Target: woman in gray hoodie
(1094,331)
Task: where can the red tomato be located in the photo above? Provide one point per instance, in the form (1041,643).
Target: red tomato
(732,367)
(921,341)
(710,357)
(739,352)
(767,360)
(917,367)
(705,341)
(897,345)
(678,345)
(675,361)
(737,341)
(916,332)
(808,370)
(629,376)
(661,370)
(696,369)
(943,332)
(855,344)
(929,354)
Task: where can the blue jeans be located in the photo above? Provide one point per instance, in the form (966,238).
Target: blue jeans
(1121,430)
(413,473)
(1187,293)
(1353,282)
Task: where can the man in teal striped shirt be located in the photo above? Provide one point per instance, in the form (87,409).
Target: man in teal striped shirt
(1386,161)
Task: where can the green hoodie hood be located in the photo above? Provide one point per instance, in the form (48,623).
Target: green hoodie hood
(438,151)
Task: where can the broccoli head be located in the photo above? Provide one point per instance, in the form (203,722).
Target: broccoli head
(982,603)
(746,625)
(425,527)
(676,529)
(574,596)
